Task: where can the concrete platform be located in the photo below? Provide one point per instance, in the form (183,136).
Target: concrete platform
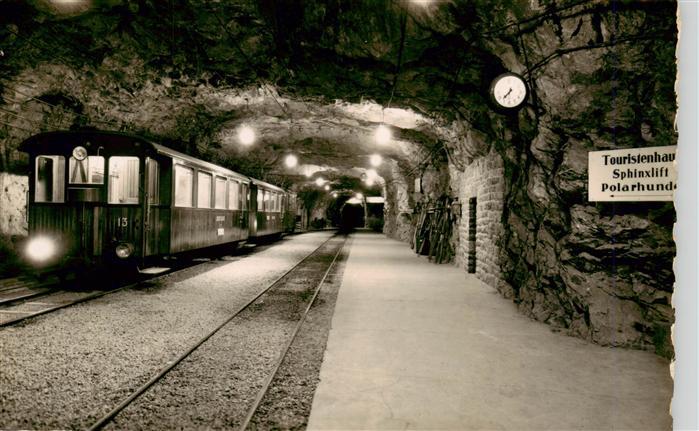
(415,345)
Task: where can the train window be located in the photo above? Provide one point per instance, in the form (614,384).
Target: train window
(203,190)
(50,179)
(153,182)
(184,185)
(260,200)
(123,180)
(244,196)
(87,171)
(220,196)
(233,192)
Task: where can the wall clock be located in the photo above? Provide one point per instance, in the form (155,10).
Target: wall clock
(508,91)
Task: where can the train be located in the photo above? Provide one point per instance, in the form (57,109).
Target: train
(101,198)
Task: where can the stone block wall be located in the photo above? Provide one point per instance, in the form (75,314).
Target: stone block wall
(483,179)
(13,204)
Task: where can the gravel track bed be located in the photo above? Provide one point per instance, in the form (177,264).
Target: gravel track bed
(287,404)
(68,368)
(216,385)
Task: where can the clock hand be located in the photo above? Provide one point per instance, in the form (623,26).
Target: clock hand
(507,94)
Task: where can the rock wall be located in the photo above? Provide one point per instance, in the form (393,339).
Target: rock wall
(483,180)
(13,204)
(602,78)
(398,206)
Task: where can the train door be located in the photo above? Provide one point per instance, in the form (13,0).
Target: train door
(155,212)
(124,221)
(85,194)
(244,209)
(288,220)
(235,204)
(262,214)
(252,213)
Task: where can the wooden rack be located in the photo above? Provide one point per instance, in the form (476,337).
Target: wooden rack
(433,231)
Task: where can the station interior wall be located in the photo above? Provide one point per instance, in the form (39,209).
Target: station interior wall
(13,204)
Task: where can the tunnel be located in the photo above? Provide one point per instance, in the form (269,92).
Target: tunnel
(528,144)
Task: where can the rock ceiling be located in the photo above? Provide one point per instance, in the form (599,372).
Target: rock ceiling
(315,77)
(312,77)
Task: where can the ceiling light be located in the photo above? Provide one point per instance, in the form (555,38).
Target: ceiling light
(69,6)
(320,181)
(370,177)
(327,187)
(375,160)
(334,194)
(246,135)
(382,135)
(291,161)
(359,196)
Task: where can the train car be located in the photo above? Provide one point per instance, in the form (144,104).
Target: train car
(108,197)
(268,203)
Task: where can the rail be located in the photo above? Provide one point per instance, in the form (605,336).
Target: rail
(104,420)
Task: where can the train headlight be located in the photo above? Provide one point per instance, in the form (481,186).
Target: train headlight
(41,248)
(123,250)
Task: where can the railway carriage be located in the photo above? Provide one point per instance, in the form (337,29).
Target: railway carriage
(107,197)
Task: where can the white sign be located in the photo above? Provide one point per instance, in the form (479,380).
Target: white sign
(634,174)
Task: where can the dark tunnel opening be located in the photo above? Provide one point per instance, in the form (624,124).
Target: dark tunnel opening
(352,217)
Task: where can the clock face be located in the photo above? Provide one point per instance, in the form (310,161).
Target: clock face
(509,90)
(80,153)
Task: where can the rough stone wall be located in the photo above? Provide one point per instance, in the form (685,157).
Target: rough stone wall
(603,80)
(398,211)
(13,204)
(483,179)
(601,77)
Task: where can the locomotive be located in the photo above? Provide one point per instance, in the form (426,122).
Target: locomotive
(101,198)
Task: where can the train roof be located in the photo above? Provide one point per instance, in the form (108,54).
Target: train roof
(166,151)
(67,139)
(267,185)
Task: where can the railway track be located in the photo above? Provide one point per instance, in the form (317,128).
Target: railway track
(20,288)
(326,255)
(27,298)
(56,297)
